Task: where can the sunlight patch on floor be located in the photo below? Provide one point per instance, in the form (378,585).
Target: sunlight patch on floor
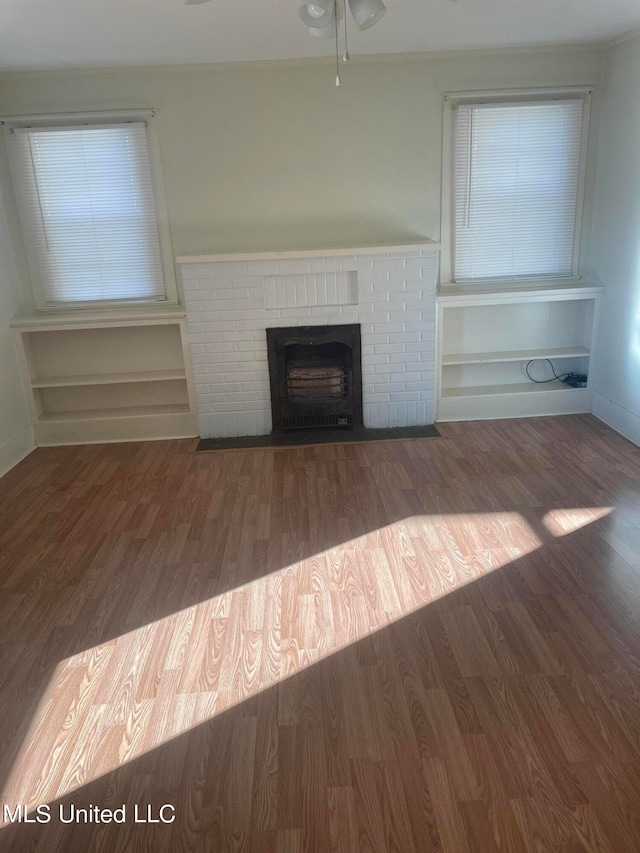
(560,522)
(112,703)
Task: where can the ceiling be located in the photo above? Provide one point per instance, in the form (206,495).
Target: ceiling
(48,34)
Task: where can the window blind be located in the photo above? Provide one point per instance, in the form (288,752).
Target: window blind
(86,204)
(516,172)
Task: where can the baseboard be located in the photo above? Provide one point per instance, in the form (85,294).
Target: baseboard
(532,403)
(108,430)
(14,449)
(181,437)
(617,417)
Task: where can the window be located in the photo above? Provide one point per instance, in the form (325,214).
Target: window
(517,170)
(88,211)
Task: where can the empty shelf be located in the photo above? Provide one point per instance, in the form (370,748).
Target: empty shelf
(513,355)
(107,378)
(515,388)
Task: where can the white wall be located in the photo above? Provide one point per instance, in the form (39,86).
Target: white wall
(16,432)
(274,156)
(616,242)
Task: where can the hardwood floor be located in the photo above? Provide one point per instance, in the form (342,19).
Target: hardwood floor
(412,646)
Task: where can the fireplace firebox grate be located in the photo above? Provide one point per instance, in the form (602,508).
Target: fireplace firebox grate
(314,421)
(316,384)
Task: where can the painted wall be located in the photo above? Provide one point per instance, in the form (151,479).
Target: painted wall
(16,432)
(268,156)
(616,242)
(262,156)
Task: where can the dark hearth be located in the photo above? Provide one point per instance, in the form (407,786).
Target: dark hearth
(316,377)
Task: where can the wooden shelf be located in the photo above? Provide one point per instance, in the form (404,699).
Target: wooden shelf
(503,291)
(515,388)
(513,355)
(86,318)
(124,412)
(107,378)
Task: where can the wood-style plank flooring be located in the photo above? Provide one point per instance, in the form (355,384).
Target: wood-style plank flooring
(412,646)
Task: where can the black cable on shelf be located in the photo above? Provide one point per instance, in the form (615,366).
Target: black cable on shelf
(542,381)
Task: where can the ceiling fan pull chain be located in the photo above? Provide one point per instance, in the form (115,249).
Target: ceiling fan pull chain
(345,55)
(338,80)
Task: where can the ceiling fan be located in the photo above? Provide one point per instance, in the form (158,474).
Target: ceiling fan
(322,18)
(365,12)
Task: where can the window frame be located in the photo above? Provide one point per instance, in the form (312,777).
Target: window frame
(447,233)
(96,119)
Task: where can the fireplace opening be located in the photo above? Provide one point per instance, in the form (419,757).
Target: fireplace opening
(316,377)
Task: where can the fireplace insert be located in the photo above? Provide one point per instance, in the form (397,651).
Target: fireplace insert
(316,377)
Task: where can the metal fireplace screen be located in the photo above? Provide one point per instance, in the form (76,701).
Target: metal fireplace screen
(316,377)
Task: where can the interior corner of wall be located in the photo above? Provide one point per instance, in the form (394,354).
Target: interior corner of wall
(622,420)
(15,448)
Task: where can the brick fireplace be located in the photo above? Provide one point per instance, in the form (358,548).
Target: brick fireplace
(231,301)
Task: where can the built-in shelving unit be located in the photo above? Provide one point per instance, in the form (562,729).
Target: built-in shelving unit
(93,378)
(486,337)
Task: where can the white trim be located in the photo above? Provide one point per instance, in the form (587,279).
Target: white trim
(83,320)
(536,404)
(582,182)
(162,213)
(480,95)
(528,291)
(97,117)
(195,438)
(621,39)
(115,430)
(16,448)
(98,305)
(446,189)
(361,58)
(423,245)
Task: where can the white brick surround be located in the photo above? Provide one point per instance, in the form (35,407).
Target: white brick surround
(311,290)
(229,308)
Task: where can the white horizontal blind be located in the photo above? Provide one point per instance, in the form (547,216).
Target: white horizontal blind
(516,172)
(86,203)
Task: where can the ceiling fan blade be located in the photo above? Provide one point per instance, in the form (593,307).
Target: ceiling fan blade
(194,2)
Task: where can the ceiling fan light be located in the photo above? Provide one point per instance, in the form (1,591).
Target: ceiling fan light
(366,13)
(317,14)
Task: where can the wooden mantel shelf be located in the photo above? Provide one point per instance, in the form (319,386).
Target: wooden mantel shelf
(422,245)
